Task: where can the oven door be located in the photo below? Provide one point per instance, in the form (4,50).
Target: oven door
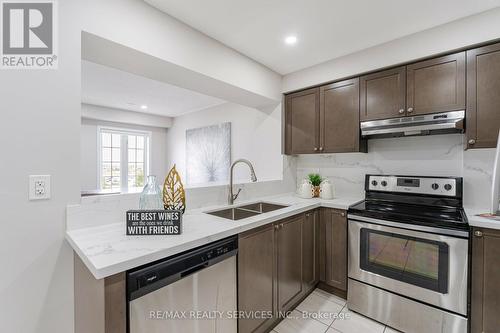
(431,268)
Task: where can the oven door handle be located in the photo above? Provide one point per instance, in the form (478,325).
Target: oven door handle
(440,231)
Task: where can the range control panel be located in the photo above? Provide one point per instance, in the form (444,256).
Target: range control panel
(417,185)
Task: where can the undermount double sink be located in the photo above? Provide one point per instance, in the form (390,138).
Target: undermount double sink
(242,212)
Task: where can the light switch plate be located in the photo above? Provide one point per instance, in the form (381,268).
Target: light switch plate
(39,187)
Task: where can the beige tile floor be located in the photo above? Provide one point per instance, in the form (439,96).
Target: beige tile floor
(322,312)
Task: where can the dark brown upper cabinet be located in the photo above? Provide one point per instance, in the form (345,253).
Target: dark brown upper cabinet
(430,86)
(436,85)
(485,294)
(302,122)
(483,97)
(339,118)
(383,94)
(324,120)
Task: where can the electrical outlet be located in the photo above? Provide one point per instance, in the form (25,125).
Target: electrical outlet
(39,187)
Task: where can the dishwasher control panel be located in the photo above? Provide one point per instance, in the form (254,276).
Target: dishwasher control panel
(145,279)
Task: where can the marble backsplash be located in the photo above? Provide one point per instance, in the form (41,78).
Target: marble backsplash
(438,155)
(477,172)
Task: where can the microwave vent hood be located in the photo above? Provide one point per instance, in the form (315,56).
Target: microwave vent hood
(439,123)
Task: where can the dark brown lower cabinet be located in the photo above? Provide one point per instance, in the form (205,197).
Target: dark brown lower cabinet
(256,275)
(100,305)
(273,271)
(289,261)
(485,294)
(310,251)
(333,249)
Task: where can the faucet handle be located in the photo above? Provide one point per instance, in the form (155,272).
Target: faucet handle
(235,196)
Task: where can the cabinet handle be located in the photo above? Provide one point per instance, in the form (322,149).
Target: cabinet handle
(410,110)
(276,226)
(320,148)
(478,233)
(315,148)
(401,111)
(472,141)
(281,225)
(338,213)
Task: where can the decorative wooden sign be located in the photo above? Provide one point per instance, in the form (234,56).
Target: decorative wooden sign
(154,222)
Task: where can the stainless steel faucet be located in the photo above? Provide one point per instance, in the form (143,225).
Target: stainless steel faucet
(232,197)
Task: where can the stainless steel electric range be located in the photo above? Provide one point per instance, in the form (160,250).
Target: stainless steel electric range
(408,254)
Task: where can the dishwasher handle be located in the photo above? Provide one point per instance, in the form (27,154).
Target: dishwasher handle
(146,279)
(195,269)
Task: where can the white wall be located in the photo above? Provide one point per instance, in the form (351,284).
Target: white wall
(478,176)
(41,125)
(88,155)
(40,131)
(255,135)
(461,33)
(439,155)
(89,150)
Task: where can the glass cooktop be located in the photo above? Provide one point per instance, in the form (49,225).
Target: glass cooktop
(433,216)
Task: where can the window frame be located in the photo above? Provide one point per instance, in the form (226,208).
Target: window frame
(124,132)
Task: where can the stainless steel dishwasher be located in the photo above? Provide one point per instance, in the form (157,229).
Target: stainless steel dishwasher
(193,292)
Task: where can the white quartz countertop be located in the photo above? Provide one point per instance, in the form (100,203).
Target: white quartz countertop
(479,221)
(106,250)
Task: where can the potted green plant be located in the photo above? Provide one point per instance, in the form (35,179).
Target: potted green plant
(315,180)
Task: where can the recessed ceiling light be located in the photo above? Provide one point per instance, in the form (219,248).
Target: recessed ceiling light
(290,40)
(144,107)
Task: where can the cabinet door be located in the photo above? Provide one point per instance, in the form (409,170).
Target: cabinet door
(310,268)
(333,245)
(256,277)
(302,122)
(485,293)
(289,259)
(436,85)
(339,117)
(383,94)
(483,97)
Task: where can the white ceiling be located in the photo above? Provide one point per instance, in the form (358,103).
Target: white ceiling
(325,29)
(106,86)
